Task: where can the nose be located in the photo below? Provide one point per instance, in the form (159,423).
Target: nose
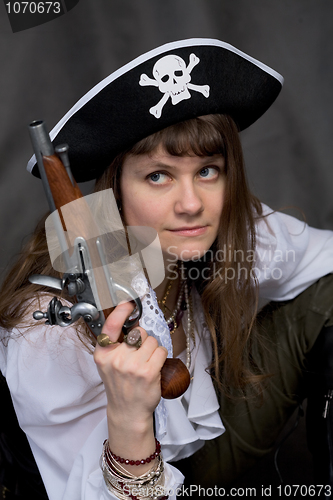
(188,199)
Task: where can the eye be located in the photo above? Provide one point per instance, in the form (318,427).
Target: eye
(209,172)
(158,178)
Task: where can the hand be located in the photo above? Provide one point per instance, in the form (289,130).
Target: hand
(131,376)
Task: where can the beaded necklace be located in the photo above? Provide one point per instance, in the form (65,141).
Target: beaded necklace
(183,303)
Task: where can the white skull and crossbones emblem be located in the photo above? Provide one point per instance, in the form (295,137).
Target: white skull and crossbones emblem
(173,77)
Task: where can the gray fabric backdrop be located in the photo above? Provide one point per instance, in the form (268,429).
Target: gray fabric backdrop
(44,70)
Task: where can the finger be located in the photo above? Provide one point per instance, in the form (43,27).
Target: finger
(115,321)
(147,348)
(158,357)
(101,354)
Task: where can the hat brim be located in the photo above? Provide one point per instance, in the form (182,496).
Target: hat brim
(124,107)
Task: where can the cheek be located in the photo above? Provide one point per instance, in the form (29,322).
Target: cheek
(215,204)
(131,202)
(219,208)
(138,211)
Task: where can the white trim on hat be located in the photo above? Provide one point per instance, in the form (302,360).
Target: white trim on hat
(139,60)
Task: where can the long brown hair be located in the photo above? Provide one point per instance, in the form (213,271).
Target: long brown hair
(228,290)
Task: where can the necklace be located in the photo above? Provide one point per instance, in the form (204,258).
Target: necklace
(162,302)
(178,312)
(183,304)
(188,330)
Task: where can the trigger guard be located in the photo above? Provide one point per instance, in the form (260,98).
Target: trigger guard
(129,323)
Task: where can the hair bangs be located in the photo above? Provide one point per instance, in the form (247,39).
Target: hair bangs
(200,136)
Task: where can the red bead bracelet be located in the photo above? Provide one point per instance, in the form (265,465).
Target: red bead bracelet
(127,461)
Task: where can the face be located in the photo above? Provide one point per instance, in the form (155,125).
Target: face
(180,197)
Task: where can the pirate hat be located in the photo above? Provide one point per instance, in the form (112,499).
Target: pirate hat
(172,83)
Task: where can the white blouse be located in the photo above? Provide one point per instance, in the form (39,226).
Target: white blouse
(60,400)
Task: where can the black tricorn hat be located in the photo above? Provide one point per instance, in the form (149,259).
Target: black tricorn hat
(172,83)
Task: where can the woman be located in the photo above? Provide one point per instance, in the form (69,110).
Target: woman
(175,164)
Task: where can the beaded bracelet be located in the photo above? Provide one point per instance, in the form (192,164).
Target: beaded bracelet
(124,485)
(127,461)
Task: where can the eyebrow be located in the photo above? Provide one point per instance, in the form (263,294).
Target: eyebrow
(160,165)
(157,165)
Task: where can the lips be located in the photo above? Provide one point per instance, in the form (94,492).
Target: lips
(187,228)
(190,231)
